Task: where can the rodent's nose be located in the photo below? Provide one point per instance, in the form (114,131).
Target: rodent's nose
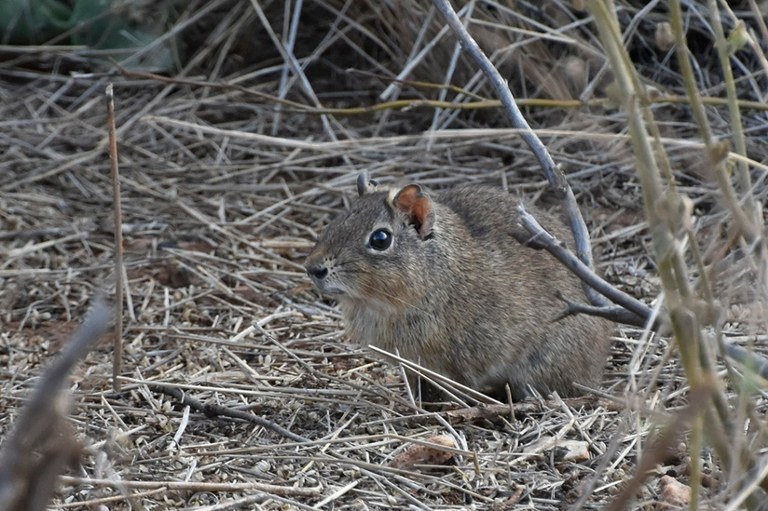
(317,271)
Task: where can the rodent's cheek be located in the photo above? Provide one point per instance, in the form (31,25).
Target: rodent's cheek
(390,290)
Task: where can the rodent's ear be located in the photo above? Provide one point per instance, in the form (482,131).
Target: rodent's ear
(365,185)
(417,206)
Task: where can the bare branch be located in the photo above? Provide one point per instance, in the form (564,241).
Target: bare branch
(540,238)
(554,173)
(630,311)
(556,179)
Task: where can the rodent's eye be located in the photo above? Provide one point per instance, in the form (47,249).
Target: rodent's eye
(380,239)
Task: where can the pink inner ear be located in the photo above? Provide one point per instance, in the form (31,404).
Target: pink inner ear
(417,206)
(406,198)
(420,212)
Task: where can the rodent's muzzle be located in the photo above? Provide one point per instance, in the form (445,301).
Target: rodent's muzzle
(318,272)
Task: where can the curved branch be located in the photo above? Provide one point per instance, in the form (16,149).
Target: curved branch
(555,175)
(540,238)
(556,181)
(630,310)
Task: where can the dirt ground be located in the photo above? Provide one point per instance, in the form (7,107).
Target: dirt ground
(228,171)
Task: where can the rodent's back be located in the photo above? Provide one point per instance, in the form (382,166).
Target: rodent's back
(458,293)
(524,344)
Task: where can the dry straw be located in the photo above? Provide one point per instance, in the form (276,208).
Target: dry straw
(231,165)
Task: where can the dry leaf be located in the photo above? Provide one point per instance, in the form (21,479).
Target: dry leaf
(421,454)
(573,450)
(673,493)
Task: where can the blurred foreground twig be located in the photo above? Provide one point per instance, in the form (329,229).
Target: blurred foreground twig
(42,443)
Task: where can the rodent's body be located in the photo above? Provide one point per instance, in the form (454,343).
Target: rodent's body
(457,293)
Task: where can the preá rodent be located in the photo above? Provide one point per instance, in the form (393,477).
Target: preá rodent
(441,279)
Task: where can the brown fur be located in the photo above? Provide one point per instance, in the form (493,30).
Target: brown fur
(455,291)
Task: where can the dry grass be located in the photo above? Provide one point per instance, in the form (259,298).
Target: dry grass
(226,178)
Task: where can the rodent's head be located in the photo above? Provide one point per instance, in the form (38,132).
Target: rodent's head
(375,251)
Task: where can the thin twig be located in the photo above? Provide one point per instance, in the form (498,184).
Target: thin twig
(213,410)
(661,447)
(195,486)
(117,350)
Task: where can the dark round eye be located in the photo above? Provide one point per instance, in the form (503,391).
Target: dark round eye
(380,239)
